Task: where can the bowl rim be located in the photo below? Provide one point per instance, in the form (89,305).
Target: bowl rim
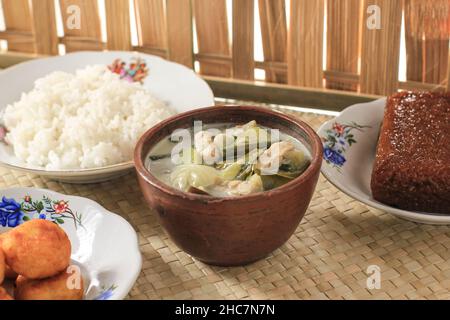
(316,155)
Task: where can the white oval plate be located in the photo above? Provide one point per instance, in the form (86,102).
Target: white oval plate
(180,87)
(104,245)
(348,164)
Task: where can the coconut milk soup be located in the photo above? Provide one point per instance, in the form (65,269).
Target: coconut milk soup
(227,160)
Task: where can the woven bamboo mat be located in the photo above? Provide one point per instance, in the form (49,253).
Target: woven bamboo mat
(326,258)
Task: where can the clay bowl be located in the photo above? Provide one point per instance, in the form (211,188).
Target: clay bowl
(238,230)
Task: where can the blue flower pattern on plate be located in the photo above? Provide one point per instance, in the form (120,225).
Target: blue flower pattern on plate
(337,141)
(106,293)
(11,213)
(333,156)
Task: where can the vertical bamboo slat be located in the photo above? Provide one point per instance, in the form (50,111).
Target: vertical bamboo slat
(118,24)
(427,40)
(89,36)
(212,35)
(305,43)
(343,39)
(44,26)
(151,25)
(274,35)
(414,40)
(381,49)
(243,41)
(179,31)
(437,32)
(17,15)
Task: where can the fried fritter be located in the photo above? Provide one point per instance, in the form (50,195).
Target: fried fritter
(10,274)
(37,249)
(4,295)
(59,287)
(2,266)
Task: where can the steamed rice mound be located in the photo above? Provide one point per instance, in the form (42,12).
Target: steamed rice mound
(84,120)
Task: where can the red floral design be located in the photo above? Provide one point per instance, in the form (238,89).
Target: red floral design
(60,207)
(338,128)
(137,70)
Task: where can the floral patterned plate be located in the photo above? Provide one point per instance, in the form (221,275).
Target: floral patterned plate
(104,245)
(350,142)
(180,87)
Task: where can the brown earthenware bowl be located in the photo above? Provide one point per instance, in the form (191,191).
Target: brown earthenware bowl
(238,230)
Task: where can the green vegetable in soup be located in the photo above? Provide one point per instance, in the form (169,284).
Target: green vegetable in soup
(295,160)
(294,164)
(160,157)
(253,184)
(247,170)
(231,171)
(274,181)
(185,176)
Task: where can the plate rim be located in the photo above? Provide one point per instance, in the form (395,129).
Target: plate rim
(417,216)
(123,291)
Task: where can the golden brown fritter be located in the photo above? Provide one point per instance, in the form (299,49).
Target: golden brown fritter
(4,295)
(2,266)
(37,249)
(10,274)
(59,287)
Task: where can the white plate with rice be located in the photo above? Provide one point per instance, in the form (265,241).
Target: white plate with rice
(76,118)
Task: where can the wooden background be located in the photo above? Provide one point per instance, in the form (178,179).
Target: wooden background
(357,59)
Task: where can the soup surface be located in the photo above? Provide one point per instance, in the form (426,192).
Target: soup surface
(227,160)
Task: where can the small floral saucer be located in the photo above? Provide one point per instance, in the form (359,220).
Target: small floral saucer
(350,142)
(104,245)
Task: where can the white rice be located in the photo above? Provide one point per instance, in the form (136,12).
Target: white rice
(84,120)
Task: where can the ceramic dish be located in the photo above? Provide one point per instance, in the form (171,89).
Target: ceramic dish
(237,230)
(350,142)
(172,83)
(104,245)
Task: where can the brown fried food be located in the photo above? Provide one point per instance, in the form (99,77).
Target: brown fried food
(4,295)
(10,273)
(37,249)
(59,287)
(2,266)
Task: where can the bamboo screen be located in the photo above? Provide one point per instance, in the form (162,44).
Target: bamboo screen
(308,43)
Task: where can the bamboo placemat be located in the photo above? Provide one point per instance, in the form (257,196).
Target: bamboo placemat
(326,258)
